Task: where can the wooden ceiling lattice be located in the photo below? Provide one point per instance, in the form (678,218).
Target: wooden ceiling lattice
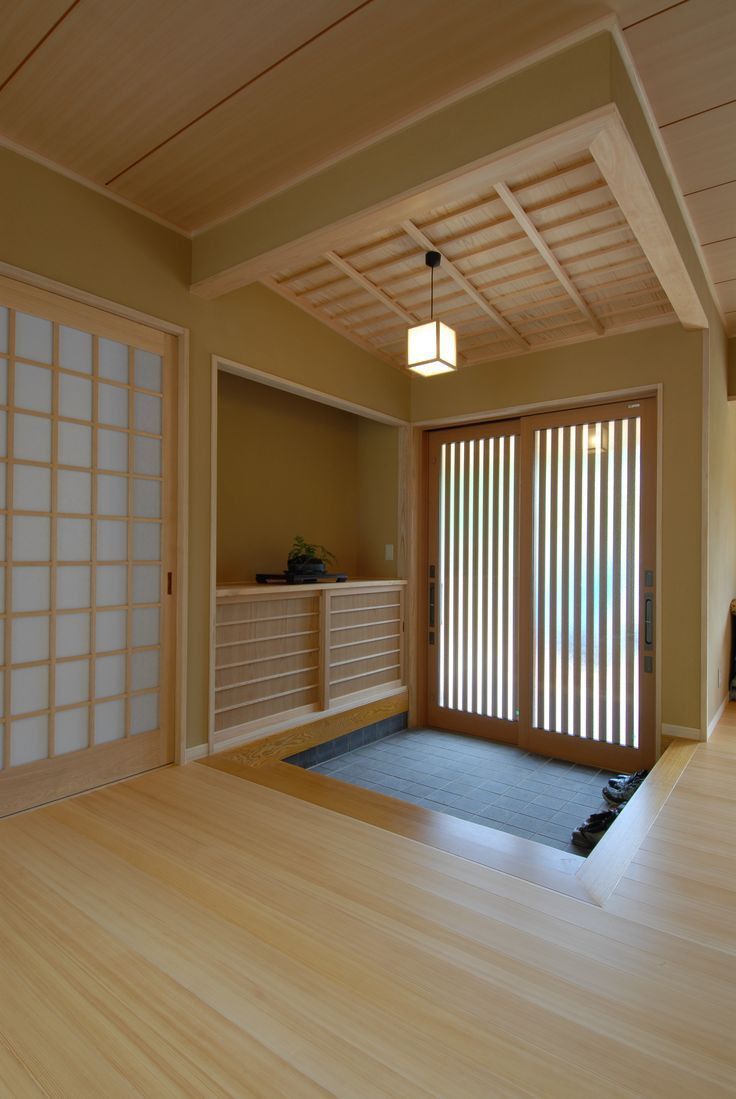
(542,258)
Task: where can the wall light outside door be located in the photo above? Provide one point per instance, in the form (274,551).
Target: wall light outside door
(432,347)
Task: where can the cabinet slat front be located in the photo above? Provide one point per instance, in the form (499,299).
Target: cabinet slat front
(281,654)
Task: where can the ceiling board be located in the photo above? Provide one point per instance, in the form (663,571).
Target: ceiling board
(714,212)
(721,259)
(85,98)
(703,149)
(296,121)
(727,295)
(23,27)
(686,57)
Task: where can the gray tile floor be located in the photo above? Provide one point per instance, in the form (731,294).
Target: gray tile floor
(497,785)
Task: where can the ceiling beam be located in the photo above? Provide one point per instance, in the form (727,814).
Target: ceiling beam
(526,223)
(369,287)
(627,181)
(457,277)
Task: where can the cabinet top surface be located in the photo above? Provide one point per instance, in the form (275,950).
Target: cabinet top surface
(227,591)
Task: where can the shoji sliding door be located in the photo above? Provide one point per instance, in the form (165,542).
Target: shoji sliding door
(541,583)
(87,452)
(473,579)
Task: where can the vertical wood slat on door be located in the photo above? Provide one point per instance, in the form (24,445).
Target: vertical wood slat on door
(586,560)
(477,575)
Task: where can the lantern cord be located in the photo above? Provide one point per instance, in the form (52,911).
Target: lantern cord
(431,293)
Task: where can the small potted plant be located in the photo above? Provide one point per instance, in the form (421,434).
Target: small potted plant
(306,559)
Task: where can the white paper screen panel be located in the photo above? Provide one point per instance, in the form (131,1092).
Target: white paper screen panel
(477,628)
(586,553)
(81,513)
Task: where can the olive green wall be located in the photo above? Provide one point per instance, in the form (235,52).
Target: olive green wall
(288,465)
(378,495)
(666,355)
(55,227)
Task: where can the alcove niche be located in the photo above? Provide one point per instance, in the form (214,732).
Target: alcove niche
(288,465)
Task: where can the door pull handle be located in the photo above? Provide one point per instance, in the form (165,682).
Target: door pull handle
(649,621)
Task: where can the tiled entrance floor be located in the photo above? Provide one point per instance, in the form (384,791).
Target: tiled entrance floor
(497,785)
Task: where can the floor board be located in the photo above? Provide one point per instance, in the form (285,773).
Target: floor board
(188,933)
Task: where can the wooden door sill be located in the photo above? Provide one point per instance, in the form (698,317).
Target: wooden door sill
(513,855)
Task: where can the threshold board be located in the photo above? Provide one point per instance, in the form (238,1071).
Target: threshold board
(521,858)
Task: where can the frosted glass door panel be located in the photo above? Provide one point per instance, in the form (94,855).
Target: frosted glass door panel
(82,537)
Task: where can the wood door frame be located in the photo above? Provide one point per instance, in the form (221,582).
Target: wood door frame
(181,549)
(511,412)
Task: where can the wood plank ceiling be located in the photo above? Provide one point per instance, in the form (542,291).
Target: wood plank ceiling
(686,57)
(193,111)
(542,259)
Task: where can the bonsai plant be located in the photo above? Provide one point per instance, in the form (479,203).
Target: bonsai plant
(304,557)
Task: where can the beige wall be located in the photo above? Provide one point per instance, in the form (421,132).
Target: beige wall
(287,466)
(54,227)
(721,519)
(666,355)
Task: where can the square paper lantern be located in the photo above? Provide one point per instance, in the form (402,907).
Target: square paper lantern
(432,349)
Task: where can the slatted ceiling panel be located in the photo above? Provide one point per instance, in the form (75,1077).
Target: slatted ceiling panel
(573,267)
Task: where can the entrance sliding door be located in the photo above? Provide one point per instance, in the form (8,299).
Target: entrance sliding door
(587,654)
(88,508)
(541,583)
(473,580)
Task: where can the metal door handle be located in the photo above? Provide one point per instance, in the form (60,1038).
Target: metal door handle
(649,621)
(431,606)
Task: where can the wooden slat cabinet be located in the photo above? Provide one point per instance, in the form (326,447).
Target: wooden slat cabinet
(287,651)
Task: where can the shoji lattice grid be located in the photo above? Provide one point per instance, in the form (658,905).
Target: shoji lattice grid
(81,464)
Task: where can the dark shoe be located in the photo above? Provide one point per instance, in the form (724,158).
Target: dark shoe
(590,831)
(617,793)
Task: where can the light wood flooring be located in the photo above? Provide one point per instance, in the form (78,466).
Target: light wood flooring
(191,934)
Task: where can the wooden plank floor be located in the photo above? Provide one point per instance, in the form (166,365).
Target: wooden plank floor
(190,934)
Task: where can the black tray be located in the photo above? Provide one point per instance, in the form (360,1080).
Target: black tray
(299,577)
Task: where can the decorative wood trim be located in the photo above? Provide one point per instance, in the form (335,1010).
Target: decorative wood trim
(317,729)
(199,751)
(616,157)
(513,204)
(288,386)
(607,863)
(410,555)
(460,280)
